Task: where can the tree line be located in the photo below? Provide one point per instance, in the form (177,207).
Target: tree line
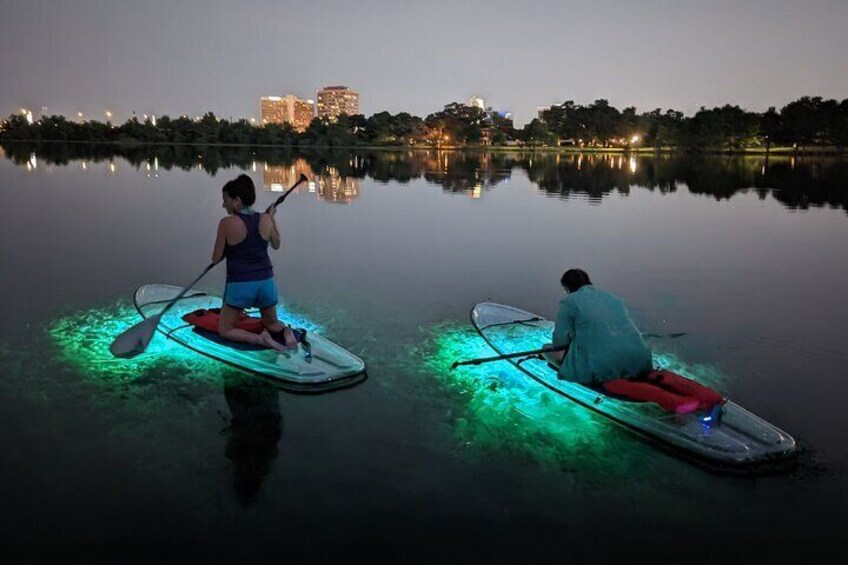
(803,123)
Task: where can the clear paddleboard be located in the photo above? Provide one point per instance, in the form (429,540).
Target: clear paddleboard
(731,439)
(326,367)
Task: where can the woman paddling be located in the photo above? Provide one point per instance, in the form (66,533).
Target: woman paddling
(243,238)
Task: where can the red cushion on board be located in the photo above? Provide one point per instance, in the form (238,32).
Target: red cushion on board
(208,320)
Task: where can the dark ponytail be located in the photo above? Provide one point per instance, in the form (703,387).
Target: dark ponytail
(241,187)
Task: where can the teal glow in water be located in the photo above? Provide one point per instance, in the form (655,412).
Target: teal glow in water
(506,411)
(84,338)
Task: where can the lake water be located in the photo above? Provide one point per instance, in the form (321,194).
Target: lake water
(172,455)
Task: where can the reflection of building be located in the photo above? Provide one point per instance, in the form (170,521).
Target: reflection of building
(329,185)
(287,110)
(334,101)
(332,187)
(279,178)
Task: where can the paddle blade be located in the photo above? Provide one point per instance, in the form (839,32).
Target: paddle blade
(134,340)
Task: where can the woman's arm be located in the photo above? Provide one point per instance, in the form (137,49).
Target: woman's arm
(220,242)
(270,229)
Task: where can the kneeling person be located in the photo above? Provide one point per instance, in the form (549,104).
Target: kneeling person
(243,238)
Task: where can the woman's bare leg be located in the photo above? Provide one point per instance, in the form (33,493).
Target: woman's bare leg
(227,330)
(272,324)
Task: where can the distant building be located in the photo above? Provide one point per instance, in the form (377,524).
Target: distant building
(300,112)
(287,110)
(477,102)
(334,101)
(272,110)
(540,111)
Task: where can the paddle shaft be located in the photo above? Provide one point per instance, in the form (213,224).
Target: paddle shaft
(509,356)
(283,197)
(186,289)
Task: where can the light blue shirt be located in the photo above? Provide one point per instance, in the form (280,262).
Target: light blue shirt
(604,343)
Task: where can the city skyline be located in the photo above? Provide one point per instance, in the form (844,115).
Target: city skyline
(191,57)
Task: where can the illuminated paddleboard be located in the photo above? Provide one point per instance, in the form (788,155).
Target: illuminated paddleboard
(327,368)
(731,439)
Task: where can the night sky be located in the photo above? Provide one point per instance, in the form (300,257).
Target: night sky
(189,56)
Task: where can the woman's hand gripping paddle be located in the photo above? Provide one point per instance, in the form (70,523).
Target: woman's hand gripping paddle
(279,200)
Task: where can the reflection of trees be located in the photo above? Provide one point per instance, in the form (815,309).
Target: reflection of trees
(592,175)
(256,426)
(801,183)
(796,182)
(470,173)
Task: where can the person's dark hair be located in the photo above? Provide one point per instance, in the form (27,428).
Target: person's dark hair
(241,187)
(575,279)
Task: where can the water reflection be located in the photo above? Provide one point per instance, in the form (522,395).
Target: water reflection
(329,184)
(279,178)
(256,426)
(797,182)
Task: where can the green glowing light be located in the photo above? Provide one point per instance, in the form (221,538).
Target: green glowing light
(506,411)
(84,339)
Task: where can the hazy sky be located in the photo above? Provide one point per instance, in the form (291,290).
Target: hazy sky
(189,56)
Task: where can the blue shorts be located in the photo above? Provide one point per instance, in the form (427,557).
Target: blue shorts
(251,294)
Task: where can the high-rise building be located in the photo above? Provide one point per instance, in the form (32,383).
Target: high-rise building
(301,112)
(287,110)
(477,102)
(272,110)
(334,101)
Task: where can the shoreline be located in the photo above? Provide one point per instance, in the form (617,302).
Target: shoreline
(822,151)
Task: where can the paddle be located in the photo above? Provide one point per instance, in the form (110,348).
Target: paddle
(548,349)
(541,351)
(136,339)
(279,200)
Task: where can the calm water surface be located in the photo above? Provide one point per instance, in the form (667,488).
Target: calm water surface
(171,455)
